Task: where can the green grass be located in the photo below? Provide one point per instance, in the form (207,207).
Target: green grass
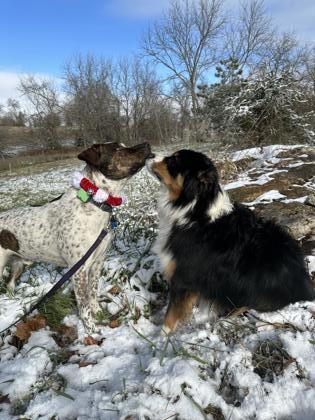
(57,307)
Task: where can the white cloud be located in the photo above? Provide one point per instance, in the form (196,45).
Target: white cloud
(8,85)
(9,82)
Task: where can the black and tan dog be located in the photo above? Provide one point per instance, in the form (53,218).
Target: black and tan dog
(212,248)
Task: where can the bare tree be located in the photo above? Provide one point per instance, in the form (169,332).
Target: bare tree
(137,84)
(309,74)
(43,95)
(184,41)
(145,111)
(180,98)
(92,108)
(286,55)
(125,91)
(248,35)
(14,112)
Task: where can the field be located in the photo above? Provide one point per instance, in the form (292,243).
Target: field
(246,366)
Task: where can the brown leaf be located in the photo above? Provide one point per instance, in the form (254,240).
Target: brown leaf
(115,290)
(114,323)
(16,342)
(4,399)
(137,313)
(84,363)
(24,329)
(65,335)
(90,341)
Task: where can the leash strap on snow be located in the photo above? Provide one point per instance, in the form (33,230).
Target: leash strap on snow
(68,274)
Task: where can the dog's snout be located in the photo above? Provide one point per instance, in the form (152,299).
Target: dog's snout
(145,145)
(147,149)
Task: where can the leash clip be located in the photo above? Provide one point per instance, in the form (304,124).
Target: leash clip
(113,222)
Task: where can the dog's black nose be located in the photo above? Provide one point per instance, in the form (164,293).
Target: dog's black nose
(147,148)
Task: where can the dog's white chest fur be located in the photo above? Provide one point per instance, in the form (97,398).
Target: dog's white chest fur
(168,217)
(165,227)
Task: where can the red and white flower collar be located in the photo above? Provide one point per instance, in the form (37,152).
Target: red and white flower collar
(99,195)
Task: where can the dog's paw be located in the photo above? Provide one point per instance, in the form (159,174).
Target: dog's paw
(165,331)
(90,326)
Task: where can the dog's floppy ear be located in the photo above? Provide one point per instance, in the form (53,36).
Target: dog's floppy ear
(208,176)
(203,182)
(91,156)
(208,181)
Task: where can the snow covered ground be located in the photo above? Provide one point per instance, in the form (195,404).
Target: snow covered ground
(255,366)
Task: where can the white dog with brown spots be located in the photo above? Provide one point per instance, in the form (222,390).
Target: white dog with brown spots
(61,231)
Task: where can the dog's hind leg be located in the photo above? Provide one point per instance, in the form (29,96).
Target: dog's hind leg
(4,259)
(179,308)
(17,267)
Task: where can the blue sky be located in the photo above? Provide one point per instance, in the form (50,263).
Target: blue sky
(38,36)
(41,34)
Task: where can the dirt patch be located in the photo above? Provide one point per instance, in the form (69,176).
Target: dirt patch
(308,245)
(249,193)
(298,192)
(288,183)
(297,175)
(298,217)
(306,154)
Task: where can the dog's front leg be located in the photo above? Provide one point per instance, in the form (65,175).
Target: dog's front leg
(94,278)
(82,294)
(179,308)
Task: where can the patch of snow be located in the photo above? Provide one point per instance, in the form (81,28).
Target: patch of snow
(311,263)
(135,371)
(267,197)
(265,153)
(295,200)
(18,375)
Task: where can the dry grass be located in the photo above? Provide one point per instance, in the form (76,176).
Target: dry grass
(270,359)
(229,169)
(36,158)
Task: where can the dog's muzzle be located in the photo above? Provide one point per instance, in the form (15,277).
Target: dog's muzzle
(151,160)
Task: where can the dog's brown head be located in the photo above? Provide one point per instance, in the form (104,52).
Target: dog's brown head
(114,160)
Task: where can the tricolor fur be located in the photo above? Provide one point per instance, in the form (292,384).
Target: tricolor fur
(214,249)
(62,231)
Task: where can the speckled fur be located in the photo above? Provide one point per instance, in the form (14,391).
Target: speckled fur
(61,232)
